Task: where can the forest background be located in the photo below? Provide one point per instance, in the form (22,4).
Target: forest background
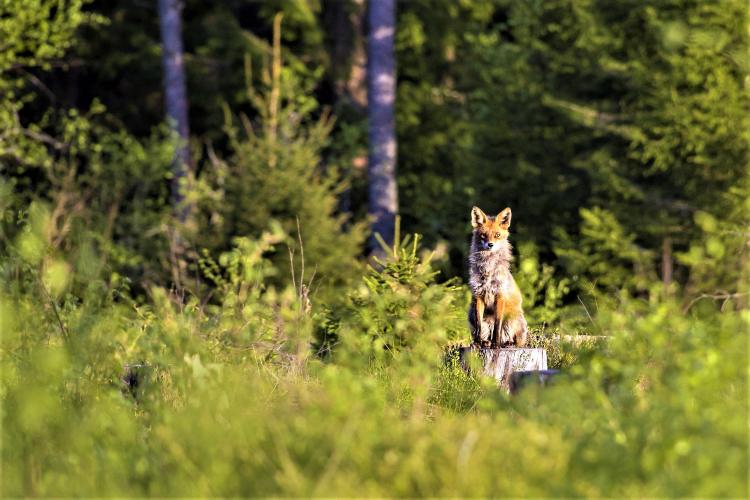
(274,357)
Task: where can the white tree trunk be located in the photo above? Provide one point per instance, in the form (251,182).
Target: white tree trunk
(175,91)
(381,99)
(501,363)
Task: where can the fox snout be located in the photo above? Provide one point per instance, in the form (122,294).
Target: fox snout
(489,231)
(488,244)
(485,244)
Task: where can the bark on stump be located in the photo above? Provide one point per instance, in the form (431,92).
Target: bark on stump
(500,364)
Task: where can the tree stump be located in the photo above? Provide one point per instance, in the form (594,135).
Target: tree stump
(500,364)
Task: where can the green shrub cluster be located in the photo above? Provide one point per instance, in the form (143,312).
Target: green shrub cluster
(249,351)
(232,398)
(397,312)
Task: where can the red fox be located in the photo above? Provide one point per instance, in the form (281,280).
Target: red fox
(495,315)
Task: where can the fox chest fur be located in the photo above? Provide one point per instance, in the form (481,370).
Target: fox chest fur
(489,272)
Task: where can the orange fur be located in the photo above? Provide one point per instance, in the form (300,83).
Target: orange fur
(491,280)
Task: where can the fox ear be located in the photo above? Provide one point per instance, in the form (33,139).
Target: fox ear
(504,218)
(478,217)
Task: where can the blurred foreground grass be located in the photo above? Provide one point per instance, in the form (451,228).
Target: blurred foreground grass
(235,402)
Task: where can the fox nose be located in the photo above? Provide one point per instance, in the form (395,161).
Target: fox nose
(489,245)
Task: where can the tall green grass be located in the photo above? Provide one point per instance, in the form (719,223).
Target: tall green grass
(238,397)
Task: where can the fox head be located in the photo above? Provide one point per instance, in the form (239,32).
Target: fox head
(490,232)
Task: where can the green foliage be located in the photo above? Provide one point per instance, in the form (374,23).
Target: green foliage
(543,293)
(108,192)
(103,191)
(719,262)
(275,171)
(222,410)
(456,390)
(91,191)
(606,254)
(36,34)
(564,351)
(611,128)
(23,21)
(249,314)
(583,117)
(398,311)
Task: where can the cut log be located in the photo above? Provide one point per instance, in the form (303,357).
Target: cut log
(501,363)
(535,377)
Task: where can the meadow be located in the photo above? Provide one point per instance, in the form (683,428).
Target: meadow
(232,400)
(198,299)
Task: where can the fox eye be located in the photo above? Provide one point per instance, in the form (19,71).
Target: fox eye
(497,235)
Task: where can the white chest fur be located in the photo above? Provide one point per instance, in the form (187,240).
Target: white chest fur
(489,275)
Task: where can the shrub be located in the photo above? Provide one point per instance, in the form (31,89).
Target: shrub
(232,405)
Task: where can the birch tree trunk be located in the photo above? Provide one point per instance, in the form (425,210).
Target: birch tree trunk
(381,91)
(175,93)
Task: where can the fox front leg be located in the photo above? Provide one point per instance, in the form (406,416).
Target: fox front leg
(497,327)
(479,307)
(476,318)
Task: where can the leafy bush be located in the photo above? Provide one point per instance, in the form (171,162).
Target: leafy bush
(121,377)
(398,311)
(275,171)
(232,403)
(543,292)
